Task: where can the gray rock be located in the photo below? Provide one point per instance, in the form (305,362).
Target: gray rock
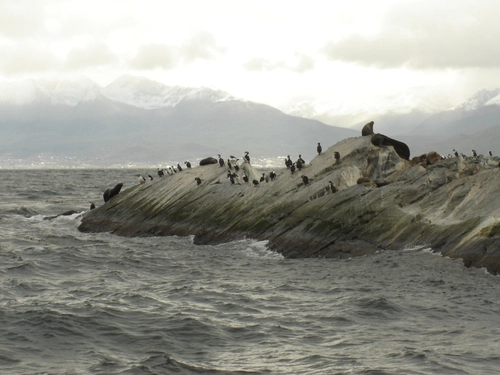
(451,206)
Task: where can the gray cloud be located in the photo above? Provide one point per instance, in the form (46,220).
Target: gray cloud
(27,59)
(427,35)
(200,46)
(94,55)
(301,64)
(155,56)
(20,19)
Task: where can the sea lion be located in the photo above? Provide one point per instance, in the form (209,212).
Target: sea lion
(208,161)
(110,193)
(367,129)
(364,180)
(401,148)
(432,157)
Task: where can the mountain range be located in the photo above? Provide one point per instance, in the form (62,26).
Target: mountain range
(135,121)
(424,120)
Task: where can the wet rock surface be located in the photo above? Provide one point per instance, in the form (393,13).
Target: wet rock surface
(451,206)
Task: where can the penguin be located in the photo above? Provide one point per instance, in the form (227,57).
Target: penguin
(142,180)
(332,187)
(474,153)
(272,175)
(288,162)
(305,179)
(179,168)
(229,164)
(150,177)
(301,160)
(255,182)
(292,168)
(188,164)
(263,177)
(92,205)
(236,166)
(160,172)
(221,161)
(455,152)
(489,152)
(198,180)
(246,157)
(298,164)
(319,149)
(245,178)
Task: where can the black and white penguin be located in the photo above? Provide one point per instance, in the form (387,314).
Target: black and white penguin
(221,161)
(305,179)
(301,160)
(179,168)
(198,180)
(489,152)
(160,172)
(255,182)
(245,178)
(288,162)
(141,179)
(229,165)
(474,153)
(272,175)
(236,166)
(263,177)
(92,205)
(298,164)
(332,187)
(455,152)
(188,164)
(292,168)
(150,177)
(319,149)
(246,157)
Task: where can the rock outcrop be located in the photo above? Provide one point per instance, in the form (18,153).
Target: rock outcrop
(451,206)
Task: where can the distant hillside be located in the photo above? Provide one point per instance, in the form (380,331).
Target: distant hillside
(141,121)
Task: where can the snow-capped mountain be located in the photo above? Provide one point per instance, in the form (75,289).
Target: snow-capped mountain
(479,99)
(417,99)
(136,91)
(138,121)
(67,92)
(145,93)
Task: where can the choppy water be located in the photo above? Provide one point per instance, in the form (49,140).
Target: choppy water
(77,303)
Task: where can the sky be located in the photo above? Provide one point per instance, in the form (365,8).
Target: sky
(275,52)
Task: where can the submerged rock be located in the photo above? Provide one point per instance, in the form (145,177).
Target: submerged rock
(450,206)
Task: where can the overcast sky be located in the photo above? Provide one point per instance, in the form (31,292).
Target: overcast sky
(270,51)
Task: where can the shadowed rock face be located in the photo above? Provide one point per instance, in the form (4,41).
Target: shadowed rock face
(451,206)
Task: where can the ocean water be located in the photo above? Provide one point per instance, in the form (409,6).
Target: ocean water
(84,303)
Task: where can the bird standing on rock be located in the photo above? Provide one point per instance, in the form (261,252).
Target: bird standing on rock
(305,179)
(337,156)
(319,149)
(198,180)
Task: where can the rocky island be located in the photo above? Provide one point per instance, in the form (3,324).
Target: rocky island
(379,201)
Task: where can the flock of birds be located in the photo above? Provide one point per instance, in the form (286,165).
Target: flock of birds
(233,168)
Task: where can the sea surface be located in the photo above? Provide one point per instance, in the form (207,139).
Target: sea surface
(97,303)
